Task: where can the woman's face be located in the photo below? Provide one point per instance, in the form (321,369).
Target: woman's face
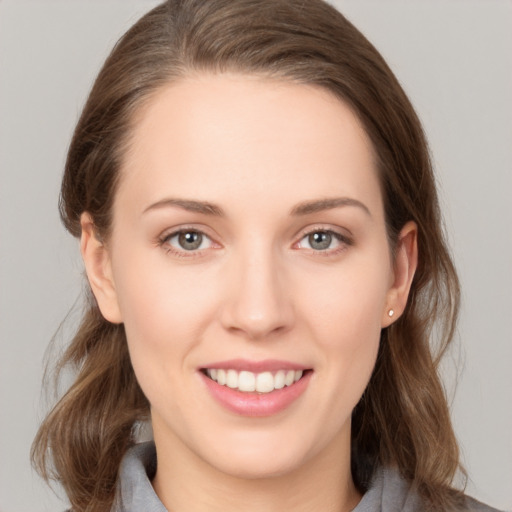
(249,250)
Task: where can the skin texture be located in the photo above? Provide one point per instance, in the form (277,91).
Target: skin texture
(256,288)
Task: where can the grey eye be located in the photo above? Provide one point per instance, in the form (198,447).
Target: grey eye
(320,240)
(190,240)
(187,241)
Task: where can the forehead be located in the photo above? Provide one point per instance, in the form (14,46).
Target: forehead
(228,135)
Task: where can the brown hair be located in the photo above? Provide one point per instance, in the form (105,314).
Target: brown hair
(403,418)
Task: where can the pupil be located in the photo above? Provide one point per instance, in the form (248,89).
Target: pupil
(320,240)
(190,240)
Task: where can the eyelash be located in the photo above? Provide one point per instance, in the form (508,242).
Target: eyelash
(163,242)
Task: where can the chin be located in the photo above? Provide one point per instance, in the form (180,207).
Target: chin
(258,469)
(259,456)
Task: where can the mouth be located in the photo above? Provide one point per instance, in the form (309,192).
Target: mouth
(256,388)
(254,382)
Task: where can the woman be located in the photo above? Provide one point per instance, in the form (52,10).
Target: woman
(260,230)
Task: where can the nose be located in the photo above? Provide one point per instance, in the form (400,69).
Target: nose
(258,302)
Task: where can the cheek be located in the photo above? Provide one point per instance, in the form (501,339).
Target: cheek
(346,321)
(349,303)
(349,342)
(160,303)
(165,312)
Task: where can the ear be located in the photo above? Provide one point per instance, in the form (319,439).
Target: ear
(406,261)
(99,271)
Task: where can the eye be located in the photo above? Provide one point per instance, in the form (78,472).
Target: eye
(188,240)
(323,240)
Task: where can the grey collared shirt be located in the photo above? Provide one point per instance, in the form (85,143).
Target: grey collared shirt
(388,492)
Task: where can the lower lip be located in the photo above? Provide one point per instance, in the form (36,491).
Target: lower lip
(257,404)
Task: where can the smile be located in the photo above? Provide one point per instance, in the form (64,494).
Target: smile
(249,382)
(255,388)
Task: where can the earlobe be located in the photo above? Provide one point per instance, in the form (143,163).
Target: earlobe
(406,261)
(99,272)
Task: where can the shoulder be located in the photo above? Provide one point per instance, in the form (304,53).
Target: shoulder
(473,505)
(389,492)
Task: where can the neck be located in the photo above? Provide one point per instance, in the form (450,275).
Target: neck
(184,482)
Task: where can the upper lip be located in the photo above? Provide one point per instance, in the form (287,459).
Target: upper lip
(265,365)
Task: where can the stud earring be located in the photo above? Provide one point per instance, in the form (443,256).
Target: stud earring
(391,313)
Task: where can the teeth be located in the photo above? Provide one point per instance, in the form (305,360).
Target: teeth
(265,382)
(288,380)
(221,377)
(248,382)
(279,379)
(232,379)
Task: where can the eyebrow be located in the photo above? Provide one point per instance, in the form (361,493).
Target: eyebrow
(319,205)
(190,205)
(304,208)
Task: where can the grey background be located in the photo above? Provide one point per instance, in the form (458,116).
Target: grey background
(453,58)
